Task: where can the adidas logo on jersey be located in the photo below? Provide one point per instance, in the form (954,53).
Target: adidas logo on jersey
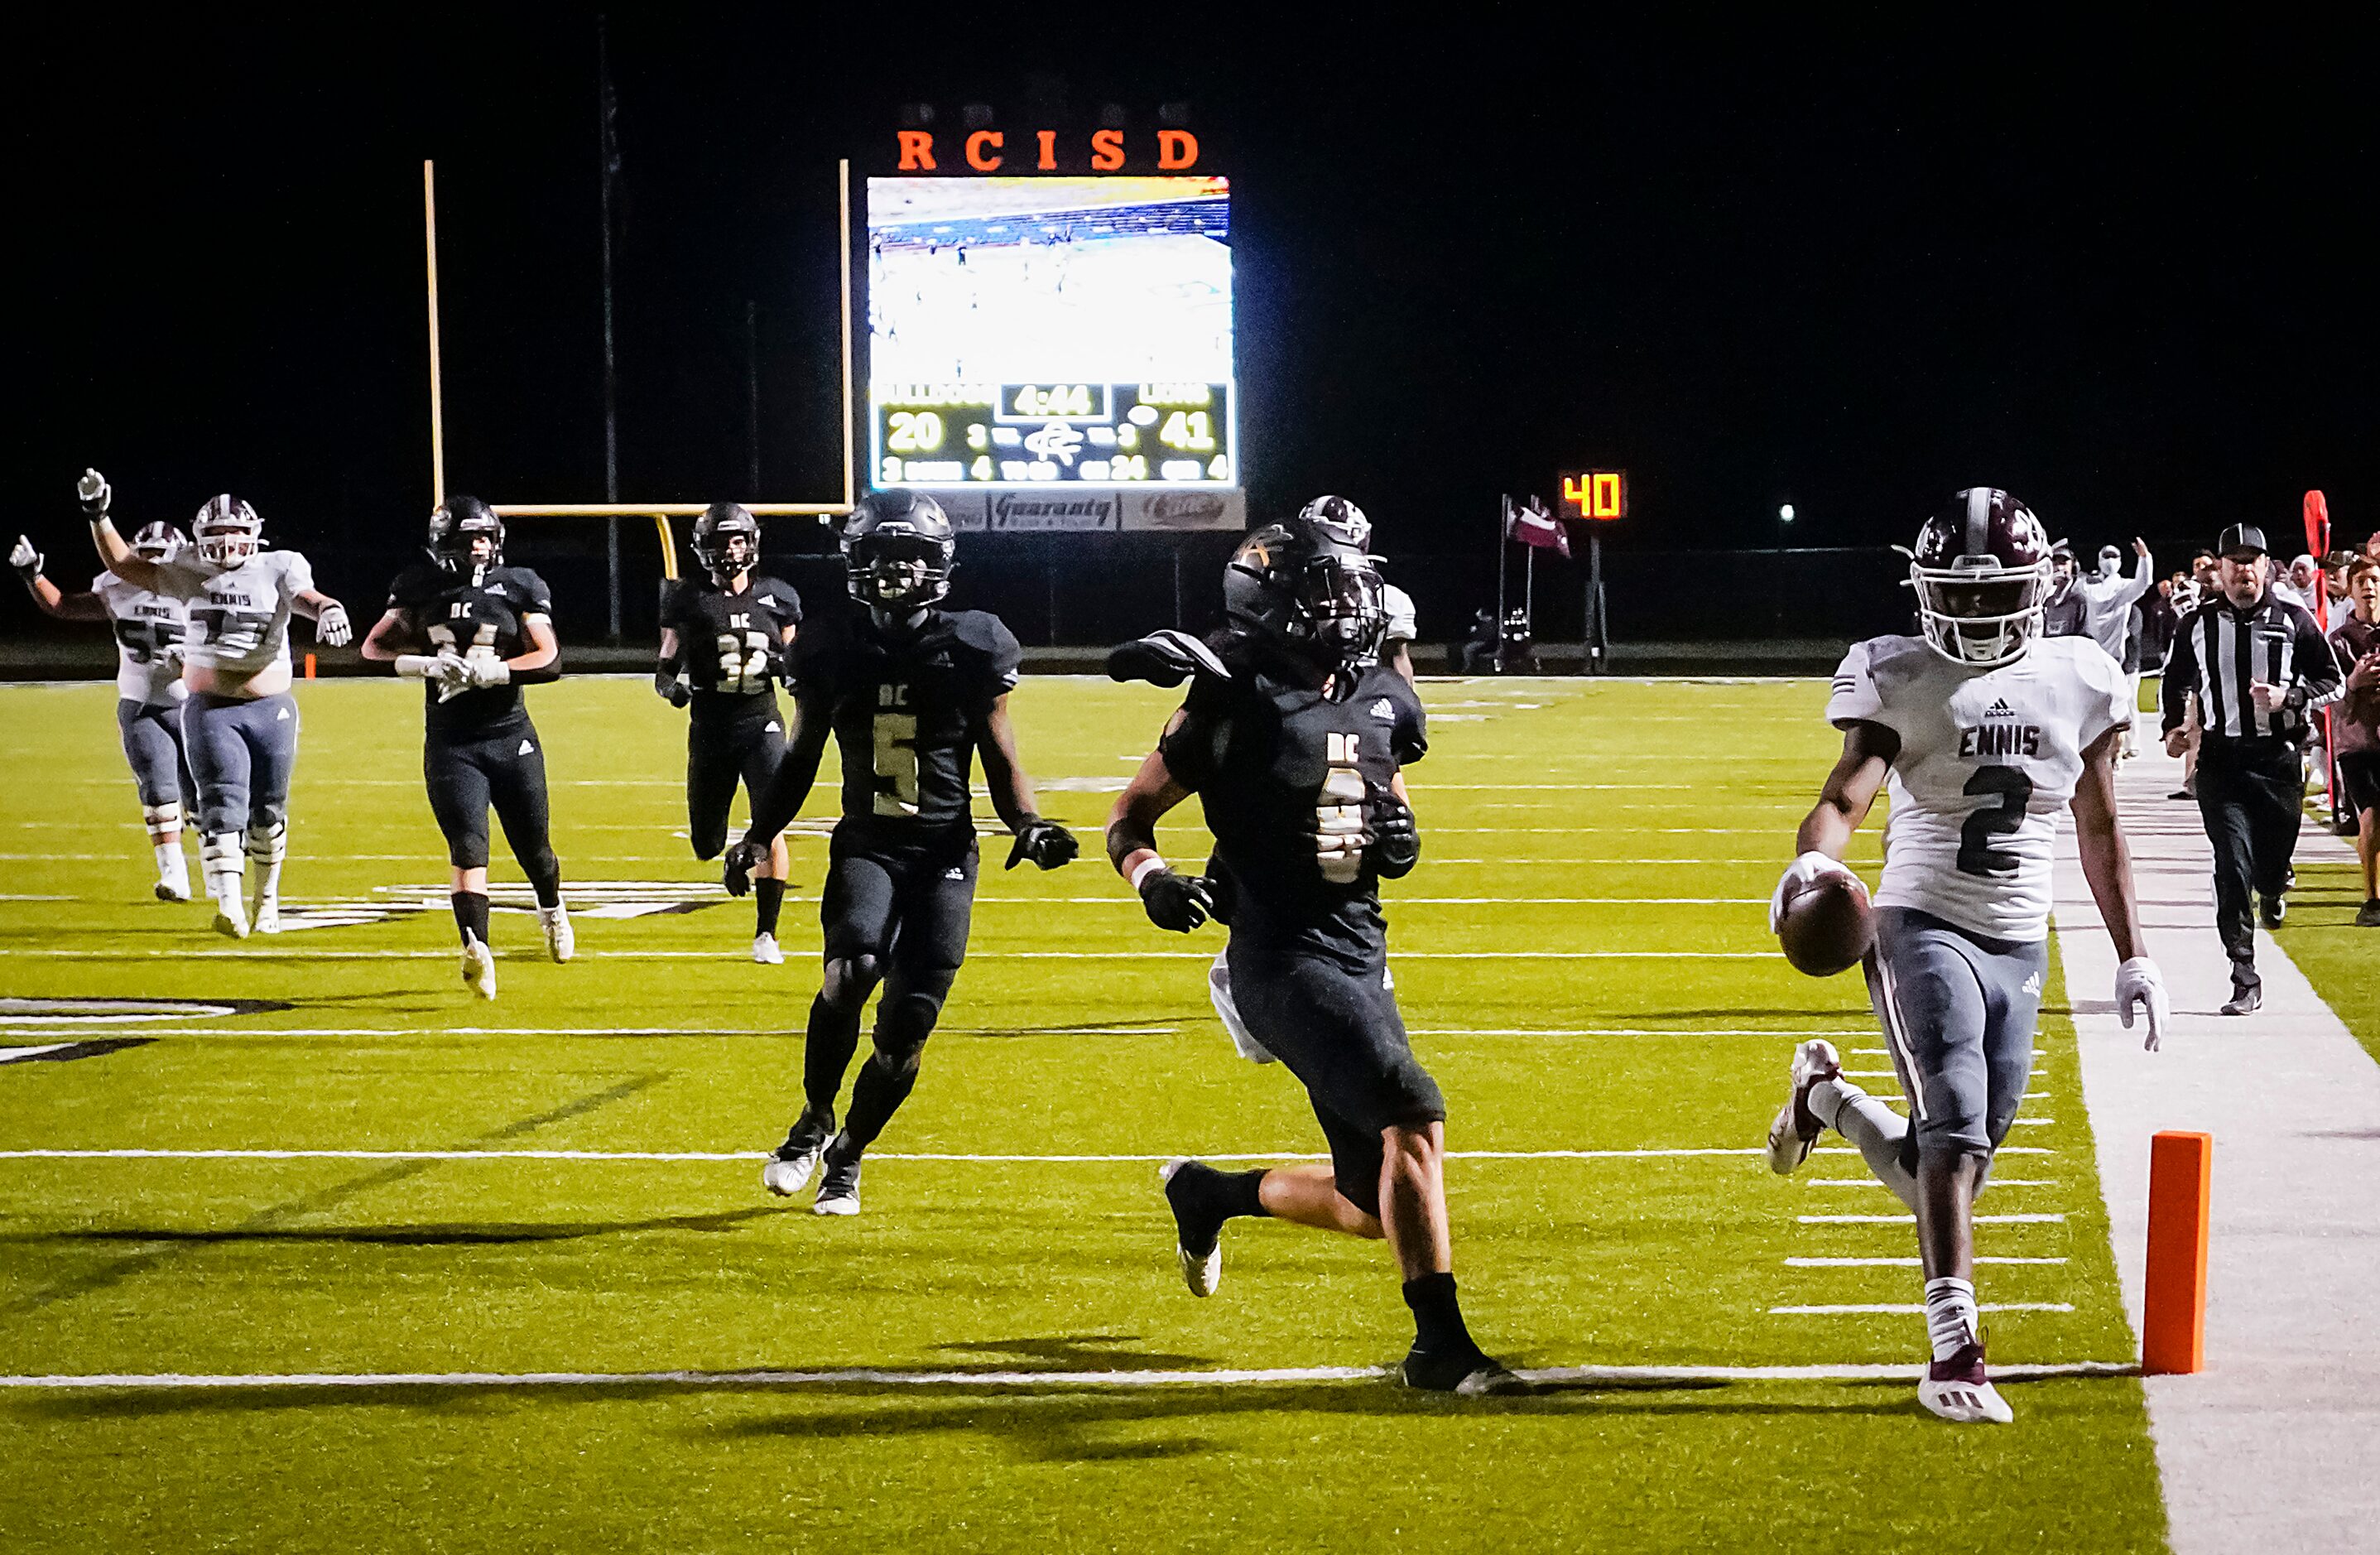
(1384,710)
(526,749)
(1999,709)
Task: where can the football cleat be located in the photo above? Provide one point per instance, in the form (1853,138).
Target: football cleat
(1797,1128)
(791,1163)
(172,889)
(1474,1376)
(560,943)
(231,916)
(839,1187)
(766,950)
(480,968)
(266,917)
(1958,1389)
(1203,1272)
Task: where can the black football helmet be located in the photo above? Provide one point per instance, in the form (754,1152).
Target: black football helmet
(717,535)
(1309,588)
(458,522)
(1981,569)
(898,547)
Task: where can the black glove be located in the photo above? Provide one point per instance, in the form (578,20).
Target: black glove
(1046,843)
(1177,902)
(667,686)
(742,858)
(1396,841)
(1166,658)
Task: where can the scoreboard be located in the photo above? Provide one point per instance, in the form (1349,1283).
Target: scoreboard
(1070,336)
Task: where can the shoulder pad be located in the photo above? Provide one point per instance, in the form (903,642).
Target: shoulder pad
(985,635)
(418,585)
(1166,659)
(527,587)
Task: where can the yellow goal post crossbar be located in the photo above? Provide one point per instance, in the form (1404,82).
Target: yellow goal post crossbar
(661,513)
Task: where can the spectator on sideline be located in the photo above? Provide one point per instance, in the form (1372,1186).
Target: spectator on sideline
(2107,600)
(2301,586)
(1475,654)
(2202,573)
(2355,725)
(2259,667)
(2065,612)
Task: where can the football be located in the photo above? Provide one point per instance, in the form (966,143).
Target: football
(1827,926)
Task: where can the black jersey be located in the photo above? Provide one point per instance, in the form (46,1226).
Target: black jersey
(732,646)
(1271,761)
(475,620)
(905,712)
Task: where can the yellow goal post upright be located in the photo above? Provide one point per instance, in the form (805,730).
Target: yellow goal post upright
(661,513)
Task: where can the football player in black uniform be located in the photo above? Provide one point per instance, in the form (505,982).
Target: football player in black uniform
(912,693)
(476,631)
(724,641)
(1294,734)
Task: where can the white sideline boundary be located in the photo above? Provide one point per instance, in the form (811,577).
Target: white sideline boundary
(1640,1377)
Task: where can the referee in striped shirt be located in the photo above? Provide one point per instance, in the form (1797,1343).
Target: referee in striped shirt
(2258,666)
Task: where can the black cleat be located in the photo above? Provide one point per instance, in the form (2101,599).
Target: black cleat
(839,1186)
(2276,907)
(2246,998)
(1469,1374)
(2368,915)
(1198,1226)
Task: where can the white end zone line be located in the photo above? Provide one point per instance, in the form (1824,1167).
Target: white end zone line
(1637,1376)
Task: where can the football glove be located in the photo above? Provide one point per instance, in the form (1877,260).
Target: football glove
(1180,903)
(450,674)
(330,627)
(93,492)
(1396,841)
(736,866)
(669,689)
(25,559)
(1046,843)
(486,670)
(1800,875)
(1166,658)
(2137,982)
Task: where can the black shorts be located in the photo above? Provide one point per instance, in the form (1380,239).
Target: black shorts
(1339,1033)
(908,905)
(719,753)
(503,766)
(2359,782)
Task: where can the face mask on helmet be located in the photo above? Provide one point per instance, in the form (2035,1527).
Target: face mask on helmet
(894,567)
(227,532)
(158,543)
(1343,607)
(727,543)
(465,535)
(1984,618)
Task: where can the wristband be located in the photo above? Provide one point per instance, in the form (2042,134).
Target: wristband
(1149,865)
(417,666)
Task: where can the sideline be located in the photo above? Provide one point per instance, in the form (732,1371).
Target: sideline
(2277,1444)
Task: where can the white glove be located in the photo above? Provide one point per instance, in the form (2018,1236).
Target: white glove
(25,559)
(1800,875)
(93,492)
(452,675)
(2137,982)
(417,666)
(330,627)
(486,671)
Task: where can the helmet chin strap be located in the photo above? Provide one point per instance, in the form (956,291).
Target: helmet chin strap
(898,619)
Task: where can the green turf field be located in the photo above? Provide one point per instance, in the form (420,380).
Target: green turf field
(1582,957)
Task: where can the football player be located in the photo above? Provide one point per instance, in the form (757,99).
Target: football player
(474,631)
(239,723)
(148,691)
(1294,736)
(912,693)
(1984,729)
(725,637)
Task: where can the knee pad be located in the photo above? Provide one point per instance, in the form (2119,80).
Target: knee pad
(848,983)
(268,842)
(164,821)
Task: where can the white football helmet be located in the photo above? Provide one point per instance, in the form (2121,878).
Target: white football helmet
(159,542)
(227,530)
(1981,569)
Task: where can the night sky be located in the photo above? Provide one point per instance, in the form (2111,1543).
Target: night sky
(2130,275)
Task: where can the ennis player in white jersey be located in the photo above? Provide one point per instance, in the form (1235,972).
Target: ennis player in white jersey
(148,687)
(1983,733)
(239,723)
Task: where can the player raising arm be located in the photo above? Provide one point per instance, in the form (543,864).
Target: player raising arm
(475,631)
(725,637)
(1983,731)
(912,693)
(239,723)
(1294,736)
(148,687)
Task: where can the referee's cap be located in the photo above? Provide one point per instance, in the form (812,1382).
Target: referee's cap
(2241,537)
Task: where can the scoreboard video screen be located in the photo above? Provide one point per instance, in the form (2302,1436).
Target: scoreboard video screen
(1051,334)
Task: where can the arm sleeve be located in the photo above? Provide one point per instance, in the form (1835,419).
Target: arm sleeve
(2144,575)
(2180,677)
(1854,698)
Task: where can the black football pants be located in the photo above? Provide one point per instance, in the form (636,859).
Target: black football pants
(2250,795)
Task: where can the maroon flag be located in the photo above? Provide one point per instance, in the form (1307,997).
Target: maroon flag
(1532,525)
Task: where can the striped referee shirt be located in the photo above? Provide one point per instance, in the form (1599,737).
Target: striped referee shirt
(2222,649)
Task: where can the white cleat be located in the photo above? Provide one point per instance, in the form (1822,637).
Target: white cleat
(1204,1275)
(766,950)
(267,917)
(839,1186)
(1797,1128)
(560,943)
(480,968)
(791,1163)
(231,918)
(172,890)
(1958,1390)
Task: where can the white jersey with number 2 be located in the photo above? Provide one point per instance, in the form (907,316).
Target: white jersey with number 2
(239,616)
(1988,759)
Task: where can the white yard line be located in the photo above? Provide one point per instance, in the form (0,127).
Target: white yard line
(1899,1263)
(2277,1444)
(1912,1309)
(2043,1218)
(145,1153)
(1637,1376)
(300,950)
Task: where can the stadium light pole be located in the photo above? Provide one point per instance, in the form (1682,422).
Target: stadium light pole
(608,156)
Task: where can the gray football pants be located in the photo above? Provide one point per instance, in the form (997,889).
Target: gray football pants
(242,753)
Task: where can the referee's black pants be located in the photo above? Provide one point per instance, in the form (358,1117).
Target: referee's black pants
(2250,795)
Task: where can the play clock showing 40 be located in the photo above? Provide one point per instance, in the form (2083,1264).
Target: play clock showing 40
(1047,434)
